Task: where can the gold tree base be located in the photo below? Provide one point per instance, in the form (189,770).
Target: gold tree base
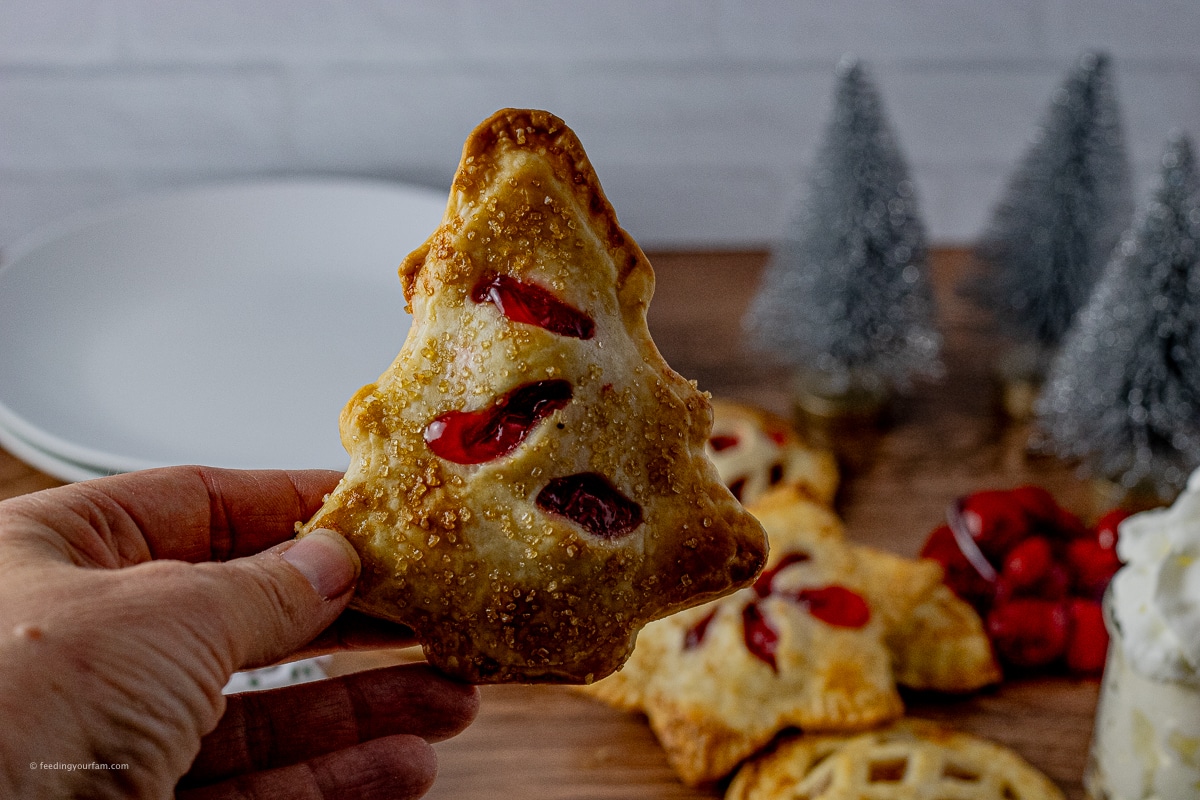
(1020,373)
(846,417)
(1108,494)
(860,398)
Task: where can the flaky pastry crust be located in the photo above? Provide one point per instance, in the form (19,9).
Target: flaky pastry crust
(499,584)
(909,760)
(712,702)
(757,452)
(942,646)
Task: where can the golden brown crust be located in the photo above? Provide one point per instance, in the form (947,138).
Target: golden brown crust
(942,646)
(547,136)
(712,703)
(910,760)
(497,588)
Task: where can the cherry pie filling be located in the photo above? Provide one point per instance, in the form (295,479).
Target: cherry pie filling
(590,501)
(694,636)
(722,441)
(761,639)
(763,586)
(474,437)
(834,605)
(530,304)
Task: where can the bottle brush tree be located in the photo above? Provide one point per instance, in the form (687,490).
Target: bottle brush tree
(845,295)
(1123,395)
(1059,218)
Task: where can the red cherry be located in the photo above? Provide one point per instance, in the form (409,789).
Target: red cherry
(473,437)
(590,501)
(836,605)
(1029,633)
(1056,584)
(960,575)
(1087,646)
(761,639)
(1027,563)
(1037,502)
(1093,566)
(995,521)
(1046,514)
(531,304)
(1006,590)
(1106,527)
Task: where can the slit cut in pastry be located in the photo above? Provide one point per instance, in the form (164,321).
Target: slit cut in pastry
(528,485)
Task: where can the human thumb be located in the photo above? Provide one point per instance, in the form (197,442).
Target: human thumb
(275,602)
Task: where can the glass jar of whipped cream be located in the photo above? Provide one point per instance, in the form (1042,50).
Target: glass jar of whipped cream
(1146,742)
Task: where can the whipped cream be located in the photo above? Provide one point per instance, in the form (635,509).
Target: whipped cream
(1156,595)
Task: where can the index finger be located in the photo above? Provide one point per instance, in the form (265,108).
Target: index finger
(186,513)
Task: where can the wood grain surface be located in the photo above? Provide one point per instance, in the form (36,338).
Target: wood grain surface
(943,440)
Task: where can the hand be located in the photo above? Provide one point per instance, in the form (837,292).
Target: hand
(127,602)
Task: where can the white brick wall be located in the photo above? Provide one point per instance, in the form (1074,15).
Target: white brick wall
(699,116)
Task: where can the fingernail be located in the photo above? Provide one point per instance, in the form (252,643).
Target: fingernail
(327,560)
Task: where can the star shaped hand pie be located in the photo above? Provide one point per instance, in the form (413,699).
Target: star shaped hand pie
(807,646)
(528,485)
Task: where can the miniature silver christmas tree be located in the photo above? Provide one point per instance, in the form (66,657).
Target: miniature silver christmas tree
(845,297)
(1060,216)
(1123,396)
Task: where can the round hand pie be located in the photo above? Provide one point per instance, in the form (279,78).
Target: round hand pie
(528,485)
(910,760)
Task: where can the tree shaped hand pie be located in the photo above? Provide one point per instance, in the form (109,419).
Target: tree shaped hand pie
(528,485)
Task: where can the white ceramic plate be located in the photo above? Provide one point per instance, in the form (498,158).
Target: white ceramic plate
(47,462)
(224,325)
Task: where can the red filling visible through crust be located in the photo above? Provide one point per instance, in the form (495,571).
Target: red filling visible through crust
(762,586)
(722,441)
(761,639)
(695,634)
(590,501)
(531,304)
(833,605)
(473,437)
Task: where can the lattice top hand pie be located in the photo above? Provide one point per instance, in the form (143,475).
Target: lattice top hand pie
(528,485)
